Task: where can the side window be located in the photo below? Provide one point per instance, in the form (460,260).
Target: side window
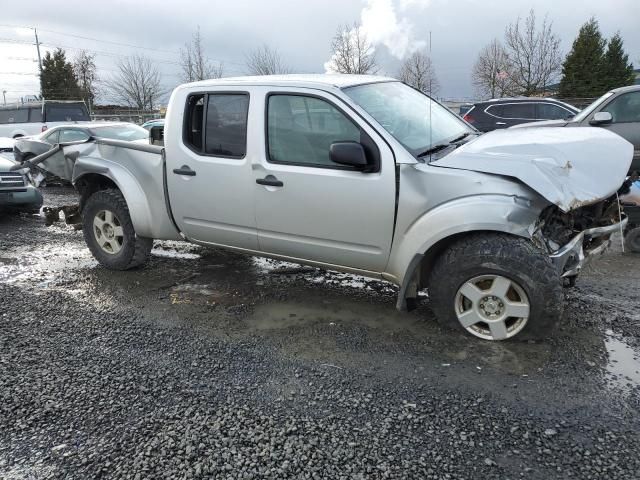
(216,124)
(52,138)
(625,108)
(35,115)
(226,124)
(550,111)
(18,115)
(519,111)
(301,129)
(72,135)
(193,122)
(495,110)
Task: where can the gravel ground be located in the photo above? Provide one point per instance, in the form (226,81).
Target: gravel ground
(206,364)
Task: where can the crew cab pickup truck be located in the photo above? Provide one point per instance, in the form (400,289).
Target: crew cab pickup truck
(364,174)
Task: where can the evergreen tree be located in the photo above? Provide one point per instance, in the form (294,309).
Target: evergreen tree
(583,69)
(618,70)
(57,79)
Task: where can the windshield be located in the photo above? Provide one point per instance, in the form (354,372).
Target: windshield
(413,119)
(587,111)
(127,133)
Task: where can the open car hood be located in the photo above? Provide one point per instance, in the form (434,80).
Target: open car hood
(570,167)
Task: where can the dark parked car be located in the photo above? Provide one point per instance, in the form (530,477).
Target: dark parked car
(506,112)
(617,110)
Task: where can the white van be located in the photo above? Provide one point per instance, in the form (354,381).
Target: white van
(31,118)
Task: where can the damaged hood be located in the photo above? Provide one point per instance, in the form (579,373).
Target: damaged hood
(570,167)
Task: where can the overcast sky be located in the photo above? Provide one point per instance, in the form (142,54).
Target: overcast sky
(300,29)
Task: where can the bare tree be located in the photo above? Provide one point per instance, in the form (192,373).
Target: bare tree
(265,60)
(195,64)
(352,52)
(418,71)
(492,73)
(137,82)
(534,54)
(84,68)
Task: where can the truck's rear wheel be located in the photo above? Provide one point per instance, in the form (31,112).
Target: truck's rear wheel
(109,233)
(496,287)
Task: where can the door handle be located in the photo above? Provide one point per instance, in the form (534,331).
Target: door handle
(270,181)
(500,123)
(184,170)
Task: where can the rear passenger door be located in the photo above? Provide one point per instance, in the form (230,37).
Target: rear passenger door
(209,176)
(310,208)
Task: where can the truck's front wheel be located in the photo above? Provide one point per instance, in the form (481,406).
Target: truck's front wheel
(109,233)
(496,287)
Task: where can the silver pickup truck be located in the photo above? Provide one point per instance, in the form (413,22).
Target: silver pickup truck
(364,174)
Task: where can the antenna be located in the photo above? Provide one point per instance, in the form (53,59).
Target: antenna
(430,99)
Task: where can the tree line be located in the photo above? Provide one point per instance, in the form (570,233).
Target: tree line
(137,81)
(528,61)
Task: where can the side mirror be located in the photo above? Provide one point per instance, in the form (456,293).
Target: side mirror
(156,135)
(348,153)
(601,118)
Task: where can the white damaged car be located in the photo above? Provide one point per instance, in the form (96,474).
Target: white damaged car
(364,174)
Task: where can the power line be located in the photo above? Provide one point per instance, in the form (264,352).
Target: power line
(122,44)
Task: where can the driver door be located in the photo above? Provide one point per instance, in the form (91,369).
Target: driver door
(308,207)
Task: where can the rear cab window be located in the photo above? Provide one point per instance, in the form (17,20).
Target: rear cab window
(66,112)
(215,124)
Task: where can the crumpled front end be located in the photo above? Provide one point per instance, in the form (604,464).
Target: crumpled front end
(575,238)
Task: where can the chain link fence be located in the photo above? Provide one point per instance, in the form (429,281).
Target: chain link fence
(102,114)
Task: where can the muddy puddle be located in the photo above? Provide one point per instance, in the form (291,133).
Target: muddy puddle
(623,365)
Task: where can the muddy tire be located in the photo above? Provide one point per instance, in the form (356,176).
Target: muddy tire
(632,240)
(496,286)
(109,233)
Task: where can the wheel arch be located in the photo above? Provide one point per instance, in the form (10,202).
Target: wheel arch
(88,181)
(435,231)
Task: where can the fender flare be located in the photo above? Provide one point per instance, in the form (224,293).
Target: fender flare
(428,235)
(131,190)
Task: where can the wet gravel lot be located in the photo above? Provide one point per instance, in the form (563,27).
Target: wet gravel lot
(206,364)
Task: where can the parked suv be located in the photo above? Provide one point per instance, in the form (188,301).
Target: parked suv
(31,118)
(506,112)
(617,110)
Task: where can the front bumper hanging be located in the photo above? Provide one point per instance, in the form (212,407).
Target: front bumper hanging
(573,257)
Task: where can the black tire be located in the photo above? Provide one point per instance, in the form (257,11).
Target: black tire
(493,254)
(133,249)
(632,240)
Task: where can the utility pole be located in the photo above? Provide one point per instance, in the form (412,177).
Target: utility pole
(35,32)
